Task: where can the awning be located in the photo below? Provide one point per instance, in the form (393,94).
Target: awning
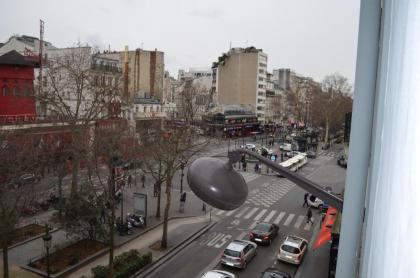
(325,232)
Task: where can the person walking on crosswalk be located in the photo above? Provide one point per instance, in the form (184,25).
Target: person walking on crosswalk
(305,200)
(309,216)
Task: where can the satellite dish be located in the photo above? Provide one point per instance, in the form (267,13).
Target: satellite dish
(216,183)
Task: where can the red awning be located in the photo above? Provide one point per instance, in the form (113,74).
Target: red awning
(325,232)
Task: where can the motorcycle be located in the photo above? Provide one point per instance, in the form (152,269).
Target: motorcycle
(123,228)
(135,220)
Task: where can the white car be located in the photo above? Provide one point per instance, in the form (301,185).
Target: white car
(218,274)
(265,150)
(315,202)
(239,253)
(249,147)
(292,250)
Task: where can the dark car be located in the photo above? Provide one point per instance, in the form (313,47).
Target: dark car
(310,154)
(264,233)
(342,161)
(274,273)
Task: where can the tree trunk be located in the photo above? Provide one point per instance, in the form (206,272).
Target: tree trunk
(74,177)
(60,196)
(164,242)
(111,222)
(159,186)
(327,130)
(5,261)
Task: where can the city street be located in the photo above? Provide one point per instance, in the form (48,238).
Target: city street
(271,199)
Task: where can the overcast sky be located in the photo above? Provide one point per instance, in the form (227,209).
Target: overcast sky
(312,37)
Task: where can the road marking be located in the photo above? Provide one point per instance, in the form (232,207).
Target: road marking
(251,213)
(270,215)
(299,221)
(230,212)
(258,217)
(289,219)
(252,225)
(241,235)
(215,240)
(279,218)
(242,212)
(307,226)
(220,212)
(224,240)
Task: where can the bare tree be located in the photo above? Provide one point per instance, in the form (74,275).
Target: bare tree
(77,92)
(18,156)
(332,102)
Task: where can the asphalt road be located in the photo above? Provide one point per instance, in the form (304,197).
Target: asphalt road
(271,199)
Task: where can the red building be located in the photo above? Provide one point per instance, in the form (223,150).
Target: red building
(17,99)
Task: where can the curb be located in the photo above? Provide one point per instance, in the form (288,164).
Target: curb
(172,252)
(30,239)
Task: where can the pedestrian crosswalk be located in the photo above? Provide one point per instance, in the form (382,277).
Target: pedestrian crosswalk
(269,192)
(328,153)
(249,176)
(280,218)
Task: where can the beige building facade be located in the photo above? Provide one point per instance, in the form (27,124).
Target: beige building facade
(241,77)
(146,71)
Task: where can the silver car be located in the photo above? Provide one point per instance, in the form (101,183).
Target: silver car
(238,253)
(292,250)
(218,274)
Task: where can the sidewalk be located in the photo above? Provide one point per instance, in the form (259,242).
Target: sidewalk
(315,262)
(178,231)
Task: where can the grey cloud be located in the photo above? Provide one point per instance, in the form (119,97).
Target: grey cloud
(214,13)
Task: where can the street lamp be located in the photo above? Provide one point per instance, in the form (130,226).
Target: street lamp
(218,184)
(182,174)
(47,244)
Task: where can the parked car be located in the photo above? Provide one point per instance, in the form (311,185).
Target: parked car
(315,202)
(264,233)
(285,147)
(251,147)
(218,274)
(310,154)
(292,249)
(342,161)
(265,151)
(292,153)
(272,272)
(239,253)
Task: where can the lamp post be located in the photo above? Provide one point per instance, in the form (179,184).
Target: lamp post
(182,174)
(47,244)
(218,184)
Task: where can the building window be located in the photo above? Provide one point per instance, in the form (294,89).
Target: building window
(5,90)
(261,86)
(144,109)
(261,71)
(137,109)
(16,92)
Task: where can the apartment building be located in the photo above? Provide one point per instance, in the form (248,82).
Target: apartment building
(241,75)
(146,71)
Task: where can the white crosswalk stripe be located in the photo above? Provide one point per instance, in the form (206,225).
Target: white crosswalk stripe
(299,221)
(249,176)
(242,212)
(229,213)
(289,219)
(293,220)
(279,217)
(258,217)
(251,213)
(269,216)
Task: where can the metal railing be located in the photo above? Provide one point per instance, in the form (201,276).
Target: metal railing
(302,182)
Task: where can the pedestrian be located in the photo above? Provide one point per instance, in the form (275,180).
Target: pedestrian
(143,179)
(182,201)
(256,168)
(129,181)
(155,190)
(204,207)
(305,200)
(309,216)
(244,166)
